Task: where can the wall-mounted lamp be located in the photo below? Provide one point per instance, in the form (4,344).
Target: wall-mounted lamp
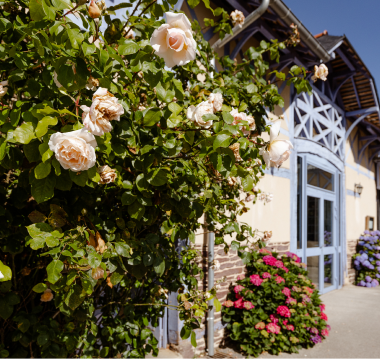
(358,188)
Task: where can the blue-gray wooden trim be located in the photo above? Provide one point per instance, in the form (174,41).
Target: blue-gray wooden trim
(279,172)
(356,92)
(363,148)
(178,5)
(359,119)
(243,40)
(350,192)
(336,90)
(364,111)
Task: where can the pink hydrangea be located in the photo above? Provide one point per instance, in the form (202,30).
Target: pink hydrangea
(296,289)
(279,264)
(286,292)
(240,277)
(238,296)
(239,304)
(260,325)
(324,316)
(314,331)
(279,280)
(238,288)
(290,327)
(255,279)
(264,250)
(325,332)
(273,328)
(285,269)
(283,311)
(308,290)
(228,303)
(322,307)
(248,305)
(270,260)
(273,319)
(285,322)
(291,301)
(266,275)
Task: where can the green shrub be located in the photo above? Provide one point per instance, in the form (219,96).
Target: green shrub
(275,307)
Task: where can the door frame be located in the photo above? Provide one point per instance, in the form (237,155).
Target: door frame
(336,196)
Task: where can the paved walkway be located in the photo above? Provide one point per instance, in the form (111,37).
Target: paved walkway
(354,316)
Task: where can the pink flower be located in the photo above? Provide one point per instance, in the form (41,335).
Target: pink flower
(290,327)
(291,301)
(238,296)
(285,322)
(273,328)
(283,311)
(240,277)
(248,305)
(266,275)
(324,316)
(285,269)
(238,288)
(255,279)
(228,303)
(314,331)
(325,332)
(264,250)
(308,290)
(279,279)
(270,260)
(279,264)
(286,292)
(239,304)
(323,307)
(260,325)
(273,319)
(296,289)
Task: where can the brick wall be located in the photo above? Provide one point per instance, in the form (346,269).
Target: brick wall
(351,250)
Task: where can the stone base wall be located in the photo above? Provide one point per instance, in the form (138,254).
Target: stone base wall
(351,250)
(231,267)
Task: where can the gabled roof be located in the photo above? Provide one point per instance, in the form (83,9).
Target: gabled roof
(330,42)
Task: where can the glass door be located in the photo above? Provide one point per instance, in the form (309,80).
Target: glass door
(317,223)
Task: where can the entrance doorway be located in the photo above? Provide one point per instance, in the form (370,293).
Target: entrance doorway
(318,241)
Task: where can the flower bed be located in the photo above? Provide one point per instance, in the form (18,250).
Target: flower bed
(367,260)
(276,307)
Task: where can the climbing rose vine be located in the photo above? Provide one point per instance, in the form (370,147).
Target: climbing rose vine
(108,162)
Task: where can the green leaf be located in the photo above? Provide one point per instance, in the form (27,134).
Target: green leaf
(88,49)
(122,249)
(175,108)
(39,288)
(221,140)
(136,210)
(128,198)
(157,177)
(31,151)
(217,305)
(79,178)
(3,146)
(5,25)
(6,272)
(43,189)
(39,229)
(159,265)
(129,47)
(76,38)
(251,88)
(24,325)
(42,126)
(54,270)
(227,117)
(37,12)
(24,134)
(152,116)
(42,170)
(247,183)
(193,339)
(94,259)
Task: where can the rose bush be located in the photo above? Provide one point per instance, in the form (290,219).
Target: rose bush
(367,260)
(275,307)
(104,179)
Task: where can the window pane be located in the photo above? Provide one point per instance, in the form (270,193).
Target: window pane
(312,222)
(328,262)
(320,178)
(299,202)
(313,269)
(328,224)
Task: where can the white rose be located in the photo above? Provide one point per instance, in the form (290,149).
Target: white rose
(195,113)
(92,84)
(237,18)
(249,198)
(216,99)
(107,174)
(104,108)
(278,151)
(74,150)
(243,119)
(320,72)
(3,88)
(174,40)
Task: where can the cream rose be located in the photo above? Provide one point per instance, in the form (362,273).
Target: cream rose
(74,150)
(237,18)
(92,83)
(107,174)
(278,151)
(216,99)
(3,88)
(195,113)
(320,72)
(104,108)
(241,118)
(47,296)
(174,40)
(236,150)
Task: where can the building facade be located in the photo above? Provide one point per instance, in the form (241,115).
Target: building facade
(325,195)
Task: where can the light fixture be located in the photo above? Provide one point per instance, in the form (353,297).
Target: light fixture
(358,188)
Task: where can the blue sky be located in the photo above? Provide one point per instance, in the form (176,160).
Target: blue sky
(358,20)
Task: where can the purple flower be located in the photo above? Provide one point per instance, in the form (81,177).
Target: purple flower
(378,269)
(368,278)
(365,255)
(356,262)
(366,263)
(377,275)
(316,339)
(368,285)
(371,266)
(375,283)
(362,283)
(378,263)
(377,255)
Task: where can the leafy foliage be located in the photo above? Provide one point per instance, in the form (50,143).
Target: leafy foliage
(276,307)
(87,265)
